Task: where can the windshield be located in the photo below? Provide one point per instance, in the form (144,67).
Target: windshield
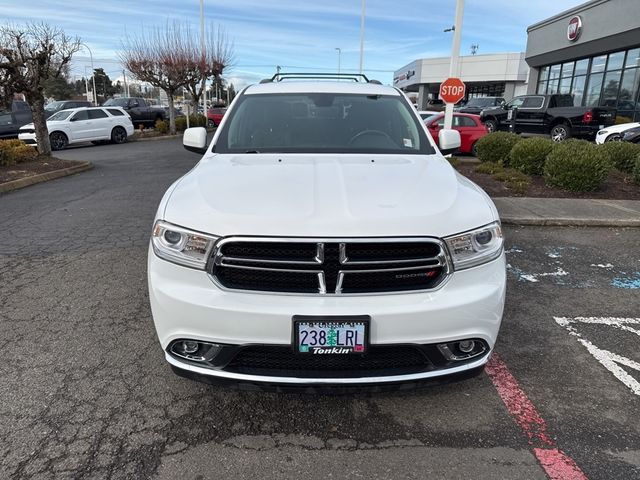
(479,102)
(57,117)
(323,123)
(116,102)
(54,106)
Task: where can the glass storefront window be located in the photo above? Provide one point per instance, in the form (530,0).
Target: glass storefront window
(582,66)
(544,73)
(629,89)
(610,89)
(554,72)
(553,86)
(565,85)
(567,69)
(592,94)
(633,58)
(578,89)
(542,87)
(598,64)
(615,61)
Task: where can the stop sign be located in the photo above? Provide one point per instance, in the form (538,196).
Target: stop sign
(452,90)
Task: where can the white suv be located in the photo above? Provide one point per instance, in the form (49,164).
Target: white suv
(324,240)
(79,125)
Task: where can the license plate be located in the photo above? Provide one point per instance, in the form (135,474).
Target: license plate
(330,335)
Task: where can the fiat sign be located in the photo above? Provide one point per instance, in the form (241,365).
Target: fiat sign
(574,28)
(452,90)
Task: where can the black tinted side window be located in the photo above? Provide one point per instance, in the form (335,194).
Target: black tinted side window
(81,115)
(115,112)
(93,114)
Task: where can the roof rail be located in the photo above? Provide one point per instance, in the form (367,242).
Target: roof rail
(355,77)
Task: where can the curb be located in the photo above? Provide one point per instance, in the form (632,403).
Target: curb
(569,222)
(44,177)
(151,139)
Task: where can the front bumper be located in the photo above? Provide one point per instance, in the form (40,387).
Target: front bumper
(186,304)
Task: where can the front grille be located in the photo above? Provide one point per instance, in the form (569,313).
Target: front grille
(381,360)
(307,266)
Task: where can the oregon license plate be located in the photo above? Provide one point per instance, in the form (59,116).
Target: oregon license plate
(331,335)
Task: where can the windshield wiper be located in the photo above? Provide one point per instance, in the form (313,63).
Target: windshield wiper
(252,151)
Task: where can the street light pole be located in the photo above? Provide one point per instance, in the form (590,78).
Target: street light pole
(339,55)
(95,94)
(362,34)
(455,53)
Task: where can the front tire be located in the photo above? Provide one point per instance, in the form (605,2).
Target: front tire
(491,125)
(118,135)
(560,132)
(58,141)
(614,137)
(474,149)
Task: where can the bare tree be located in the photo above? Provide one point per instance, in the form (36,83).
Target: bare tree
(29,56)
(218,56)
(160,57)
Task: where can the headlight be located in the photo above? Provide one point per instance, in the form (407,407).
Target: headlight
(182,246)
(476,247)
(602,132)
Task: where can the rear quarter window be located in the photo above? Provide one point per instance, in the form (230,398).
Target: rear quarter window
(115,112)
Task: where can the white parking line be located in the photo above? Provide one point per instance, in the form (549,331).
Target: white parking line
(611,361)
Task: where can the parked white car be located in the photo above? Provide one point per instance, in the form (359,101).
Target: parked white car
(323,239)
(614,133)
(77,125)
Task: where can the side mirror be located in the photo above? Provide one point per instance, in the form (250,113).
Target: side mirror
(449,141)
(195,140)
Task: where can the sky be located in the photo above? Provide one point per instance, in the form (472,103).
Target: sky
(299,35)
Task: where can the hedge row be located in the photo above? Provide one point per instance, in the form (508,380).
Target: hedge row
(16,151)
(575,165)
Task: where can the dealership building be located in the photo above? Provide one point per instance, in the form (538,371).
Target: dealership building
(591,51)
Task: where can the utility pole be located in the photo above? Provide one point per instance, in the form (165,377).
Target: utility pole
(455,53)
(362,34)
(339,55)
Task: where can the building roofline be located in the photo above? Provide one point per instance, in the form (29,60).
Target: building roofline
(566,13)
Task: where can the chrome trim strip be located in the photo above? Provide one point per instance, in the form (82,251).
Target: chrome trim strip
(284,270)
(273,262)
(325,381)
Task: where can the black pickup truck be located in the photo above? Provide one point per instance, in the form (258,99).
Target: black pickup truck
(552,114)
(138,110)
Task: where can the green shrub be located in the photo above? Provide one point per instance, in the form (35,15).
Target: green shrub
(496,146)
(528,156)
(623,154)
(636,170)
(161,126)
(181,123)
(577,165)
(16,151)
(197,120)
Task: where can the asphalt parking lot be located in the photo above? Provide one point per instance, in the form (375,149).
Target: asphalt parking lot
(86,393)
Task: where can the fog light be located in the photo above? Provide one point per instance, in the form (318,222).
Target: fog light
(192,347)
(466,346)
(195,351)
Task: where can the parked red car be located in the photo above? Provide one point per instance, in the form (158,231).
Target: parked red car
(214,115)
(470,127)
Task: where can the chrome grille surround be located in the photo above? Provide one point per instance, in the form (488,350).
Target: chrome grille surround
(441,261)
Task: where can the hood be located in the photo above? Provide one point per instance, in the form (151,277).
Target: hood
(327,196)
(621,127)
(27,126)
